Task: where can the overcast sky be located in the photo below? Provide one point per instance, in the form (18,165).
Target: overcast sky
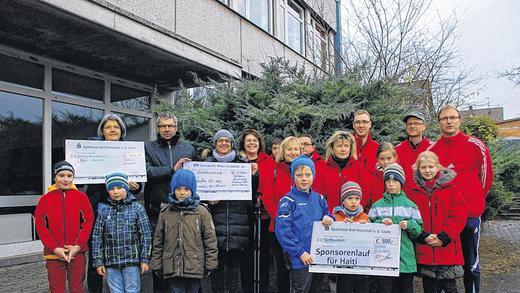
(489,42)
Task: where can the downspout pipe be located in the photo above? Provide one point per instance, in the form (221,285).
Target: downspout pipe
(338,40)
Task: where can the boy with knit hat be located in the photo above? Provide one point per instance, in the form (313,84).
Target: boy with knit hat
(185,244)
(297,212)
(122,240)
(351,211)
(396,208)
(63,219)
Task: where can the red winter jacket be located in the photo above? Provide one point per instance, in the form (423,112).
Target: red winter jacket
(63,218)
(407,155)
(375,189)
(316,158)
(266,167)
(282,185)
(329,179)
(367,153)
(443,212)
(470,159)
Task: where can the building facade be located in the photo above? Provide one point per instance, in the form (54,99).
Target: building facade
(66,63)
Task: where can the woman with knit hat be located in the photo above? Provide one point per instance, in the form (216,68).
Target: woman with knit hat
(232,219)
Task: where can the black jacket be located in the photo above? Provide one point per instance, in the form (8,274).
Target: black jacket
(161,156)
(233,219)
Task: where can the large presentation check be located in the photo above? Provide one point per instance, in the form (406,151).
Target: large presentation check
(222,181)
(350,248)
(93,159)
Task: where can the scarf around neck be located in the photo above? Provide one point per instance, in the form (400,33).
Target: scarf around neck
(348,213)
(225,158)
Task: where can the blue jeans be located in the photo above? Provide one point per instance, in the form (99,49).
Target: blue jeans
(126,280)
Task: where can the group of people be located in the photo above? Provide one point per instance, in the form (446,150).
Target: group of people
(435,192)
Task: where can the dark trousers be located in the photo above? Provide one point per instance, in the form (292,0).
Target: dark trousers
(470,239)
(226,278)
(247,263)
(401,284)
(352,284)
(281,265)
(183,285)
(431,285)
(304,282)
(94,280)
(59,272)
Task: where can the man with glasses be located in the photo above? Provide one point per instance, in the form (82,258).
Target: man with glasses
(308,147)
(164,156)
(416,143)
(366,147)
(470,159)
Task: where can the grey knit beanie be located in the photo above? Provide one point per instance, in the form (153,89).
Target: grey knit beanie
(223,133)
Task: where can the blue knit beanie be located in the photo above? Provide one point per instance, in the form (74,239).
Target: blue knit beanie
(394,171)
(183,177)
(302,160)
(117,179)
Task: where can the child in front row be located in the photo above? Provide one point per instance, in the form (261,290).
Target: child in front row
(438,250)
(185,244)
(122,240)
(351,211)
(297,212)
(63,219)
(396,208)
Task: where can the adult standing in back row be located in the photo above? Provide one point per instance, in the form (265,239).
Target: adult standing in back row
(366,147)
(470,159)
(410,148)
(164,156)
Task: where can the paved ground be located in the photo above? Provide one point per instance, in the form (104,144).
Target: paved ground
(499,257)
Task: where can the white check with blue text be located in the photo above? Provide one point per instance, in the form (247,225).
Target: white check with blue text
(352,248)
(222,181)
(93,159)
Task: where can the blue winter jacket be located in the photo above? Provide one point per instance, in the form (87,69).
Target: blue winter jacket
(121,235)
(297,212)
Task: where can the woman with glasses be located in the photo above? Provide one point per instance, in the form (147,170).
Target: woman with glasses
(232,219)
(252,148)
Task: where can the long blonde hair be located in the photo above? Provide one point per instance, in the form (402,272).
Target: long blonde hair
(286,142)
(427,155)
(337,136)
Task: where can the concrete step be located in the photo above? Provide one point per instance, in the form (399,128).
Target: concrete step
(510,216)
(19,253)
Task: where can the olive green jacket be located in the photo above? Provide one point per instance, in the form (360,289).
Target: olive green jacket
(184,244)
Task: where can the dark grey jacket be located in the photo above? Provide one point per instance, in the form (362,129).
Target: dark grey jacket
(161,156)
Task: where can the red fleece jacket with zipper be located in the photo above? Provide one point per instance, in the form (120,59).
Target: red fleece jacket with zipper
(366,153)
(470,159)
(63,217)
